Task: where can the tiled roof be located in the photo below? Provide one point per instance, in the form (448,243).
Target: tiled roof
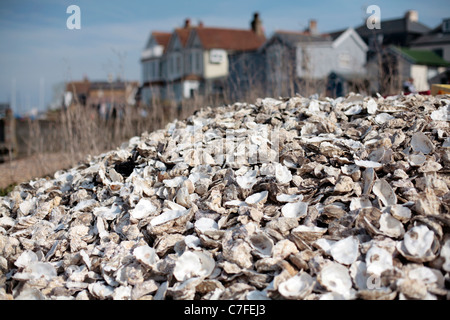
(78,87)
(183,35)
(162,38)
(229,39)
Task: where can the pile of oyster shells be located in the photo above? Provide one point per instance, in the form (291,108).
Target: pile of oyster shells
(293,198)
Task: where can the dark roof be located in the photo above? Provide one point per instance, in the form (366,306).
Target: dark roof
(432,38)
(229,39)
(293,37)
(423,57)
(394,26)
(435,36)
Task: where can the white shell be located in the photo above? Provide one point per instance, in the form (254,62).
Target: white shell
(168,215)
(378,260)
(345,251)
(390,226)
(417,244)
(371,106)
(401,213)
(368,164)
(295,210)
(143,209)
(248,180)
(441,114)
(257,198)
(297,287)
(384,191)
(383,118)
(146,255)
(282,173)
(193,264)
(206,224)
(289,197)
(336,278)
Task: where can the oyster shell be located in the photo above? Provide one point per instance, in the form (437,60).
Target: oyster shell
(297,287)
(233,201)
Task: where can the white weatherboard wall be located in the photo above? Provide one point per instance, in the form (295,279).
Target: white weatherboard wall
(346,54)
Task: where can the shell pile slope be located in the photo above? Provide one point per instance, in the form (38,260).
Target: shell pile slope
(291,198)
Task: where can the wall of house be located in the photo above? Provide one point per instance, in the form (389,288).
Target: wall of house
(322,58)
(315,61)
(174,65)
(151,70)
(420,75)
(193,61)
(214,70)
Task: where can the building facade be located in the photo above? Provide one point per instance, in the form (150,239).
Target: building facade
(196,60)
(296,59)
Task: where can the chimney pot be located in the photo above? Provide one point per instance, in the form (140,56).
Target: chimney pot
(256,24)
(312,27)
(412,15)
(187,23)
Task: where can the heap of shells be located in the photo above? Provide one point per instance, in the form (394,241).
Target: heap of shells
(290,198)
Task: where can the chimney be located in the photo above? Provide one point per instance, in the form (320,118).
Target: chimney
(257,25)
(200,24)
(412,16)
(312,27)
(187,23)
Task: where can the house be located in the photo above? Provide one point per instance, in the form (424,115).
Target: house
(198,60)
(398,32)
(298,59)
(108,97)
(437,40)
(398,64)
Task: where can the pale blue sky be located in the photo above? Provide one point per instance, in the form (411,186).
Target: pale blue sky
(37,51)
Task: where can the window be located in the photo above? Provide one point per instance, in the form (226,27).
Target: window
(446,26)
(178,64)
(149,70)
(199,66)
(155,70)
(193,65)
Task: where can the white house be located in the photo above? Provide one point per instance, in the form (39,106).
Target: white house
(300,57)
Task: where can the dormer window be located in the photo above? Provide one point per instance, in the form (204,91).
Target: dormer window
(446,26)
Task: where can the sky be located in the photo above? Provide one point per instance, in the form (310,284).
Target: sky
(38,53)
